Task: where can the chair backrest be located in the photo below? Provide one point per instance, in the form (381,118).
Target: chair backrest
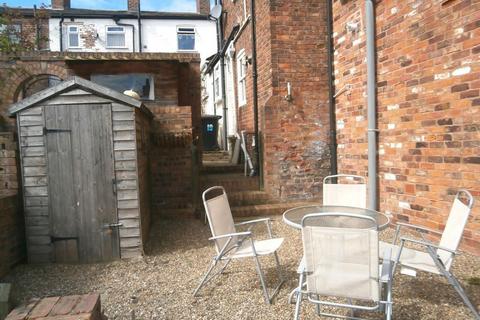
(350,191)
(341,262)
(457,219)
(219,216)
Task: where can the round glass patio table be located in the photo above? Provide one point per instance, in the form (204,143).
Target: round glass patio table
(293,217)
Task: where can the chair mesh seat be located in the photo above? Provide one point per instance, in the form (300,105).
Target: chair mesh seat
(262,247)
(411,258)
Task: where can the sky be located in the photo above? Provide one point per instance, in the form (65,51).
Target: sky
(148,5)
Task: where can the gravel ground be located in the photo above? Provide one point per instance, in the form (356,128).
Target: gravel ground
(160,285)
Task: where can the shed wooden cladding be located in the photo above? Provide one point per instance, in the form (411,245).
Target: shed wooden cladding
(84,160)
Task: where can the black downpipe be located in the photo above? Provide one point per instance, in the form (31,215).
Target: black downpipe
(116,19)
(37,28)
(331,93)
(222,74)
(60,25)
(255,90)
(139,15)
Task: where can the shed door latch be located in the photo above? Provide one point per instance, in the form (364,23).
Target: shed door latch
(49,130)
(112,225)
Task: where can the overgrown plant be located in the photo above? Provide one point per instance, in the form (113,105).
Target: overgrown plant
(19,34)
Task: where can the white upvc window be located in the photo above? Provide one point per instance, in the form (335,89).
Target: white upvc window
(242,78)
(115,36)
(73,37)
(186,38)
(216,82)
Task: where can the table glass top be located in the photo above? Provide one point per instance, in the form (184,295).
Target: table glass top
(294,216)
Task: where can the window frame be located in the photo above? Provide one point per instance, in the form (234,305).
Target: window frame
(69,32)
(193,32)
(150,76)
(123,32)
(241,78)
(15,37)
(216,77)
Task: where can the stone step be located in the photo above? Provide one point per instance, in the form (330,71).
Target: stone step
(231,182)
(222,167)
(267,209)
(215,156)
(246,198)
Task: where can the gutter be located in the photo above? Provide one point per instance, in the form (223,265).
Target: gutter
(116,19)
(371,105)
(331,91)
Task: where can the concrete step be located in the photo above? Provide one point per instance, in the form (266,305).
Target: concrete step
(246,198)
(222,167)
(267,209)
(216,156)
(231,182)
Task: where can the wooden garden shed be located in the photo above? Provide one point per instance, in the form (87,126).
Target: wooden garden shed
(84,163)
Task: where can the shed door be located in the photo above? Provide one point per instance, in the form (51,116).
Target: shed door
(81,182)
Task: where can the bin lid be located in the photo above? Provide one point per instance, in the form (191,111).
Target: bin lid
(211,116)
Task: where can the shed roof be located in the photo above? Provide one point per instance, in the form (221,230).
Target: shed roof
(72,84)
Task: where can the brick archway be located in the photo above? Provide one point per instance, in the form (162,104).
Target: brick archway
(15,73)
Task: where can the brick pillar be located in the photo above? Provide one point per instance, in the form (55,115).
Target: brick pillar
(60,4)
(133,5)
(203,6)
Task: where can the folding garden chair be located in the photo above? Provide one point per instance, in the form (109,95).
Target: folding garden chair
(435,258)
(343,263)
(345,190)
(230,244)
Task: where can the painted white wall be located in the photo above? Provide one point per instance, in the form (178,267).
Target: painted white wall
(158,35)
(214,105)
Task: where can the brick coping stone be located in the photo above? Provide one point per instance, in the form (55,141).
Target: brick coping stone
(75,307)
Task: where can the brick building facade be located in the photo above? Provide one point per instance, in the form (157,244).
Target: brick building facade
(289,50)
(428,60)
(176,108)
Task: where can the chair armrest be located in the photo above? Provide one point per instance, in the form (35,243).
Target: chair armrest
(387,266)
(252,221)
(412,226)
(266,220)
(231,235)
(428,244)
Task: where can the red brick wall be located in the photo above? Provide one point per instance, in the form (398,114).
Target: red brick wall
(8,164)
(291,38)
(296,133)
(12,233)
(171,158)
(428,98)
